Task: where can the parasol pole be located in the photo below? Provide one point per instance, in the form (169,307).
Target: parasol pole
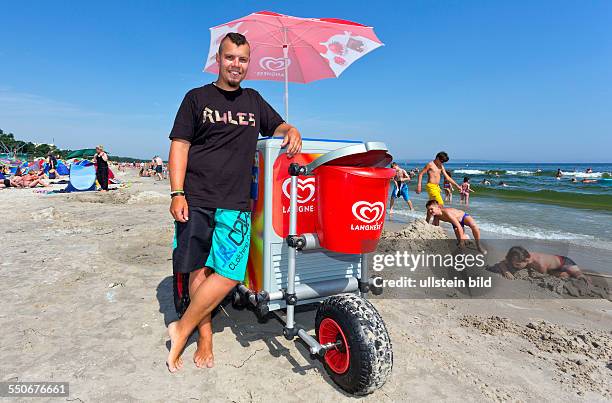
(286,63)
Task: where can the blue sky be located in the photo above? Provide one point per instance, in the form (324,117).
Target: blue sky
(514,81)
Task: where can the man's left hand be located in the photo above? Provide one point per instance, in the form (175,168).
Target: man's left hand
(293,141)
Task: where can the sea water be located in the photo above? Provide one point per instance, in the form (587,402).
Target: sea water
(534,205)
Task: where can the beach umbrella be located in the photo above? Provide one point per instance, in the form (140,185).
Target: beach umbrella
(293,49)
(82,153)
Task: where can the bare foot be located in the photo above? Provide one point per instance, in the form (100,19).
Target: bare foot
(203,357)
(174,361)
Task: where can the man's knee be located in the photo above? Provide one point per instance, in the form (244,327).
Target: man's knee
(196,277)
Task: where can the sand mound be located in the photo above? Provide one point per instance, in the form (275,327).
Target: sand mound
(415,237)
(418,229)
(143,248)
(112,197)
(580,356)
(48,214)
(573,287)
(148,197)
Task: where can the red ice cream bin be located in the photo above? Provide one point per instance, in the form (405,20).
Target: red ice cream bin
(351,206)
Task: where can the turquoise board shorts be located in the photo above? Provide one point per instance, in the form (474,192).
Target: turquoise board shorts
(214,238)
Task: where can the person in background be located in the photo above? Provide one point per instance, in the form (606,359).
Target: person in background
(434,170)
(101,161)
(52,163)
(159,168)
(448,190)
(399,187)
(464,191)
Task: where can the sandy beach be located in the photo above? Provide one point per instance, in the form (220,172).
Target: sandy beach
(87,294)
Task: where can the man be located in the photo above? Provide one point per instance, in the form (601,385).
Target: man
(399,187)
(214,139)
(458,219)
(434,169)
(159,167)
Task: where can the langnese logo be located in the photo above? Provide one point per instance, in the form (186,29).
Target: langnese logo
(306,189)
(273,64)
(368,213)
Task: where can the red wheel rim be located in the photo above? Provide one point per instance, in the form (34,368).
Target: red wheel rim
(330,332)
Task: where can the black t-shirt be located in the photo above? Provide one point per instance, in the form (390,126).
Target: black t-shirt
(223,128)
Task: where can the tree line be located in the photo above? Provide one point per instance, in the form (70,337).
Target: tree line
(40,150)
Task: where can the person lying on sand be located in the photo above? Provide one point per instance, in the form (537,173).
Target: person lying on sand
(458,219)
(519,258)
(32,180)
(8,183)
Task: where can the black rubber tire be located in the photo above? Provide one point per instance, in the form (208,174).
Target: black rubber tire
(371,353)
(238,300)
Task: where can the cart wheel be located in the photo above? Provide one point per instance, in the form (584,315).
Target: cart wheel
(363,359)
(238,300)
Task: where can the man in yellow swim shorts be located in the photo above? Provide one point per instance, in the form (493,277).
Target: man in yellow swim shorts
(434,169)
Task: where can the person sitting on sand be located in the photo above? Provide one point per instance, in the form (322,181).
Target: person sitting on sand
(458,219)
(434,169)
(519,258)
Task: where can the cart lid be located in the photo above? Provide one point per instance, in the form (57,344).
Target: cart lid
(369,154)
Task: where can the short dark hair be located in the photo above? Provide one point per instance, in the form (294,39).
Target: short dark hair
(234,37)
(517,253)
(394,164)
(431,202)
(442,156)
(466,179)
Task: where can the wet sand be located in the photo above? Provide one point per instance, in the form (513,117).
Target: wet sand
(87,294)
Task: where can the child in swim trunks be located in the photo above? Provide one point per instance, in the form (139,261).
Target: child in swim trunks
(458,219)
(519,258)
(400,187)
(434,169)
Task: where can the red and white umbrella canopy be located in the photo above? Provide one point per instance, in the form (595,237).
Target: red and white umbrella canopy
(316,48)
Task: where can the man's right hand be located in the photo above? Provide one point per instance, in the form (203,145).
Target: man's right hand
(179,209)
